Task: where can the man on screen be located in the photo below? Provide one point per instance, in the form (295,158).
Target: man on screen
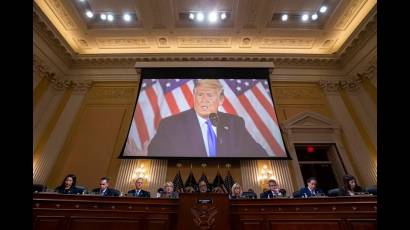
(193,134)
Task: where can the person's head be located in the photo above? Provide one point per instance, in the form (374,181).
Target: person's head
(169,187)
(218,189)
(251,190)
(189,189)
(236,189)
(349,182)
(273,185)
(208,96)
(138,183)
(104,183)
(160,190)
(202,186)
(69,181)
(312,182)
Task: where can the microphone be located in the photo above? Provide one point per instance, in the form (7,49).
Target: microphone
(213,117)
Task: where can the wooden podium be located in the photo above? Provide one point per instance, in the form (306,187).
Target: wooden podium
(203,211)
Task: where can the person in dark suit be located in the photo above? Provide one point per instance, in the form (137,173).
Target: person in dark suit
(138,191)
(203,188)
(311,189)
(273,191)
(104,189)
(194,133)
(68,186)
(350,187)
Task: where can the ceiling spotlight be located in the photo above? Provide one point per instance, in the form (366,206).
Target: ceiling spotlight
(110,17)
(103,17)
(284,17)
(323,9)
(126,17)
(191,16)
(81,0)
(305,17)
(200,16)
(223,15)
(212,16)
(314,17)
(89,14)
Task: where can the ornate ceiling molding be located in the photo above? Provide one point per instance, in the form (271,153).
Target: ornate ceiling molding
(42,28)
(332,61)
(358,42)
(43,71)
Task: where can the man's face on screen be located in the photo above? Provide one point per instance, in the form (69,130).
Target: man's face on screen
(207,100)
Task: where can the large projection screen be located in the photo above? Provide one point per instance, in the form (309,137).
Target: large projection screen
(206,118)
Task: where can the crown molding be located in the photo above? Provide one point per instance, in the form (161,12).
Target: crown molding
(332,61)
(359,38)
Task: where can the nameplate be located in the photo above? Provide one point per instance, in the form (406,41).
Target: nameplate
(205,201)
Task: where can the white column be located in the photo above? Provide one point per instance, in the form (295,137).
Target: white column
(45,110)
(249,172)
(57,138)
(366,165)
(353,89)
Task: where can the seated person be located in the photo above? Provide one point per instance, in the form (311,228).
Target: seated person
(250,194)
(350,187)
(104,189)
(203,188)
(273,191)
(218,189)
(159,192)
(68,186)
(138,191)
(236,191)
(311,190)
(169,191)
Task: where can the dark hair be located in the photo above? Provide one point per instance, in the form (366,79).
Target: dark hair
(65,178)
(105,178)
(346,184)
(160,190)
(272,181)
(310,179)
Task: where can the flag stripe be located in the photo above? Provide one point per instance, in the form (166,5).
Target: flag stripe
(148,113)
(141,127)
(228,107)
(180,99)
(268,107)
(262,127)
(154,103)
(189,97)
(172,104)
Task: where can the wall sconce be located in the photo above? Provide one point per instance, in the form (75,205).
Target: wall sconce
(140,171)
(265,175)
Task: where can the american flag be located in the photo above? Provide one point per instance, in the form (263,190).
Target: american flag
(178,184)
(247,98)
(228,182)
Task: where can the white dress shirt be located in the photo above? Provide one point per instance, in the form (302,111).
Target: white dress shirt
(204,130)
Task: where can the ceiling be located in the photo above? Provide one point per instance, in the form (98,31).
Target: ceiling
(163,26)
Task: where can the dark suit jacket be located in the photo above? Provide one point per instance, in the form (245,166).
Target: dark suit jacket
(344,192)
(180,136)
(269,194)
(72,190)
(142,193)
(306,191)
(108,192)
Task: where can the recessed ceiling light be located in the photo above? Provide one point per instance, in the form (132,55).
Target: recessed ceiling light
(200,16)
(314,17)
(323,9)
(103,17)
(284,17)
(81,0)
(89,14)
(191,16)
(223,15)
(212,17)
(305,17)
(126,17)
(110,17)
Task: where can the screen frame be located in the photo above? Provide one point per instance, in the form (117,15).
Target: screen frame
(205,73)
